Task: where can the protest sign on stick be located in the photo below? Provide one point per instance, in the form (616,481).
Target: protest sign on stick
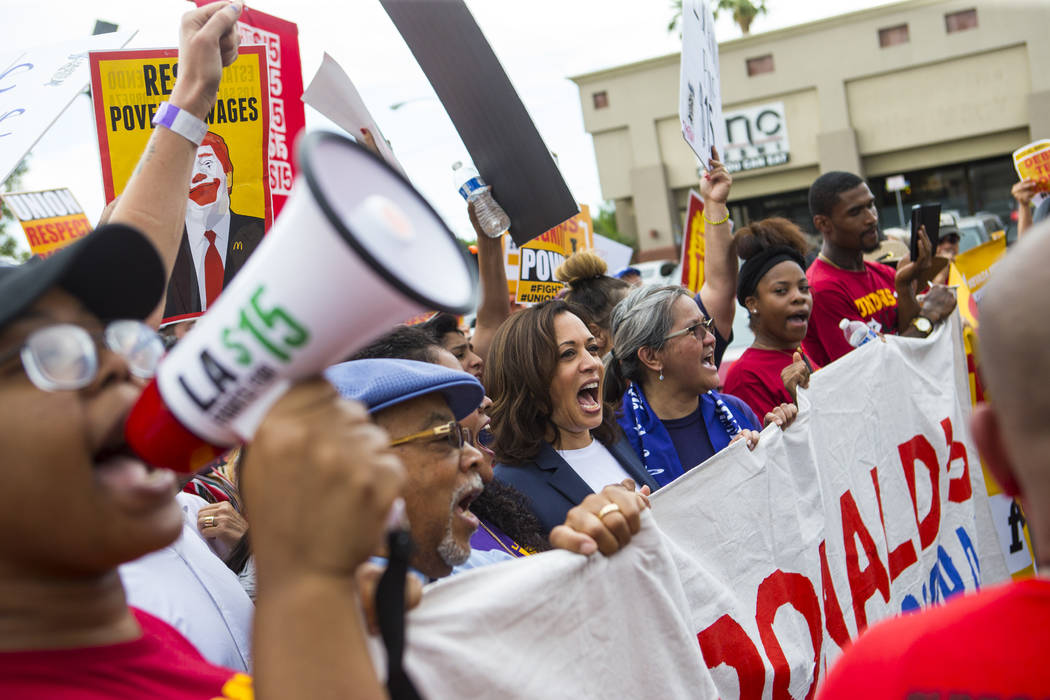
(487,112)
(692,263)
(540,257)
(700,92)
(51,219)
(229,193)
(37,85)
(287,118)
(1033,162)
(332,93)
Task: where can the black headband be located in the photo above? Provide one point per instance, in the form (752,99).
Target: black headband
(757,266)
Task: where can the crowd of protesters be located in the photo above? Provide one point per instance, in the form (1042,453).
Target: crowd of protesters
(541,428)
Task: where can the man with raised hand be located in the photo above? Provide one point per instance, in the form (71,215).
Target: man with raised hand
(77,503)
(845,285)
(994,643)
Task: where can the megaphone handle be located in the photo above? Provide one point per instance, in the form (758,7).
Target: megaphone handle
(390,606)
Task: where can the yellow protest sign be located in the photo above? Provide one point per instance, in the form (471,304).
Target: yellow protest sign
(228,202)
(1033,162)
(537,259)
(693,251)
(51,219)
(968,274)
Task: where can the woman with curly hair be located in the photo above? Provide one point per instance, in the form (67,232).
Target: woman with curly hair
(554,439)
(772,286)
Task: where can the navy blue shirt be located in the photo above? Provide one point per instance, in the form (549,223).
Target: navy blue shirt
(690,439)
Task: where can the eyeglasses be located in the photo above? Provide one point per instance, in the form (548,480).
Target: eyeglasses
(453,432)
(704,326)
(64,357)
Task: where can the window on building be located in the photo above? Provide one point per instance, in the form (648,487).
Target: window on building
(760,64)
(891,36)
(960,21)
(601,99)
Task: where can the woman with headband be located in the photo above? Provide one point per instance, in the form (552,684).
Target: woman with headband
(772,286)
(663,367)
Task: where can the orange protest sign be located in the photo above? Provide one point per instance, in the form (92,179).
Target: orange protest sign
(1033,162)
(51,219)
(534,279)
(693,244)
(228,201)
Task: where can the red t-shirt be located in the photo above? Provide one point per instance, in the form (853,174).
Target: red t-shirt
(991,644)
(755,378)
(160,665)
(838,294)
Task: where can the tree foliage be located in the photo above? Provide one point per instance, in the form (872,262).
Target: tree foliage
(605,225)
(744,13)
(10,229)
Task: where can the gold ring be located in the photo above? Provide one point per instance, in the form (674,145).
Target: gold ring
(209,521)
(608,508)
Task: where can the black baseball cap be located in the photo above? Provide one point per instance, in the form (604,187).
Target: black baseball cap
(114,271)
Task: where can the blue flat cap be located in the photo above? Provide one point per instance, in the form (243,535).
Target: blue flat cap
(383,383)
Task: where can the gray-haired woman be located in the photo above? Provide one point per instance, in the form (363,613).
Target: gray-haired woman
(663,366)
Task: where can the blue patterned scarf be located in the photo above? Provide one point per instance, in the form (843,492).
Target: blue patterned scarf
(653,444)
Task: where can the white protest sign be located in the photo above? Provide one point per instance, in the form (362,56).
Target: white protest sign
(36,86)
(700,94)
(871,504)
(332,93)
(615,254)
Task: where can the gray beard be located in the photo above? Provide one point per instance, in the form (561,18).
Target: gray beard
(450,551)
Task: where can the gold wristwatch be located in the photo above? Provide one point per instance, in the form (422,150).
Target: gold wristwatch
(922,324)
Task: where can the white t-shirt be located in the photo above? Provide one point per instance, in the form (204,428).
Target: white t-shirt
(595,465)
(189,587)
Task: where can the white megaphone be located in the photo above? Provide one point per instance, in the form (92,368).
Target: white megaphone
(355,250)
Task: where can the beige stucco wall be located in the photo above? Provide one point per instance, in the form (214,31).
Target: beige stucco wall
(849,104)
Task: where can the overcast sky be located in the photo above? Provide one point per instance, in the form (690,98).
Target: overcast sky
(539,43)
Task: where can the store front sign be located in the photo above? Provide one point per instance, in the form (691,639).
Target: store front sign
(757,137)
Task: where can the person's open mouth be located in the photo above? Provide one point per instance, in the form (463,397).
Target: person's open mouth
(128,480)
(798,320)
(708,360)
(462,508)
(588,399)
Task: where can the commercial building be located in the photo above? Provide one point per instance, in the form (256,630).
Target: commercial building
(939,91)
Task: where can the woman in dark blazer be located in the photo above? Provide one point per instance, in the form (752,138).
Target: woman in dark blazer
(554,439)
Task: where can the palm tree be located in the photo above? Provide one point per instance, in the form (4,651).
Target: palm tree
(744,13)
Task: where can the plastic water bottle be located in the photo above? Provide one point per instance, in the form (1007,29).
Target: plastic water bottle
(857,332)
(494,221)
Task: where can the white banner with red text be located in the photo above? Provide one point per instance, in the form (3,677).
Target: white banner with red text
(871,504)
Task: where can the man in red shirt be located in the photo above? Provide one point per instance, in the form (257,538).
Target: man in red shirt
(994,643)
(76,502)
(844,285)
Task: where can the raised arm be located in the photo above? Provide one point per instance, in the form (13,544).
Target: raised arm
(1023,192)
(718,292)
(154,200)
(493,302)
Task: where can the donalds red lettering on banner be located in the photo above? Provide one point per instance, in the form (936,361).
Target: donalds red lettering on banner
(872,560)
